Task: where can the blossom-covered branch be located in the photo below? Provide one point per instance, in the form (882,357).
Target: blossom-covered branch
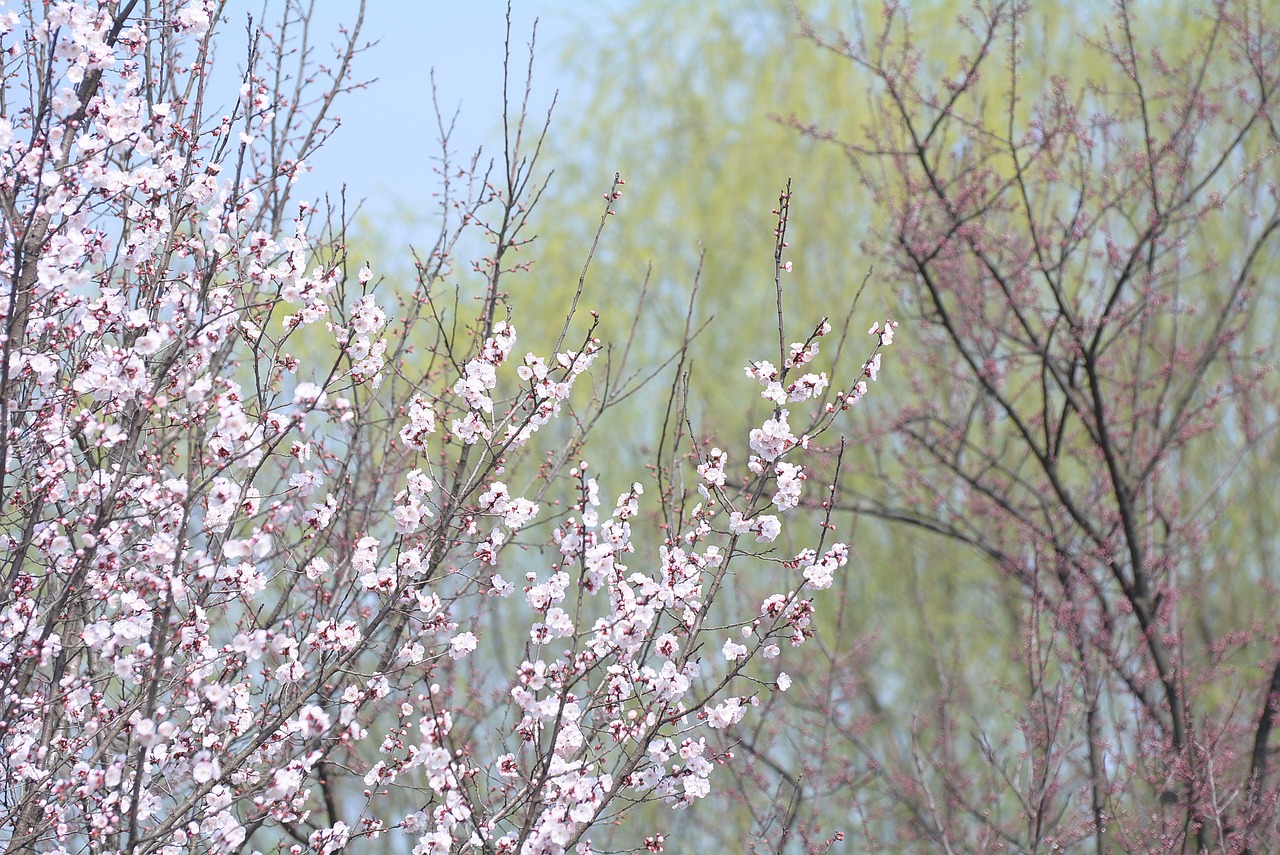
(268,516)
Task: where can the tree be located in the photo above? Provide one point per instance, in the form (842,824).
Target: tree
(1085,269)
(259,508)
(948,705)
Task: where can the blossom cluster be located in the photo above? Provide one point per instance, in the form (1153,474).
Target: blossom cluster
(258,553)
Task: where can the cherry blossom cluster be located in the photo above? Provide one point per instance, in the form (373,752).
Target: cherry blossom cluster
(870,369)
(259,548)
(625,683)
(549,387)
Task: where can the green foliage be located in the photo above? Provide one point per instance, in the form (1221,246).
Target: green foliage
(700,108)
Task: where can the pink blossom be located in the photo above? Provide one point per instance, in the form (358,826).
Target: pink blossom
(773,438)
(228,493)
(732,650)
(462,644)
(724,714)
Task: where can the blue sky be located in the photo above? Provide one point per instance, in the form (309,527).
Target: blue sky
(389,130)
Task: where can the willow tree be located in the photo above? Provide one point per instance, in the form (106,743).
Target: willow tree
(1078,212)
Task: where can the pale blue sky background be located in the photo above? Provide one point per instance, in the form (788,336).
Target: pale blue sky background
(389,130)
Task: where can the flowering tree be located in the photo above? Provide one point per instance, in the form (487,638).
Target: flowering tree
(1090,397)
(260,510)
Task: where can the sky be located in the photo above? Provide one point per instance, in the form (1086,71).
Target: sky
(389,130)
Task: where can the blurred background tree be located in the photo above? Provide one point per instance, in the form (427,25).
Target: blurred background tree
(706,109)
